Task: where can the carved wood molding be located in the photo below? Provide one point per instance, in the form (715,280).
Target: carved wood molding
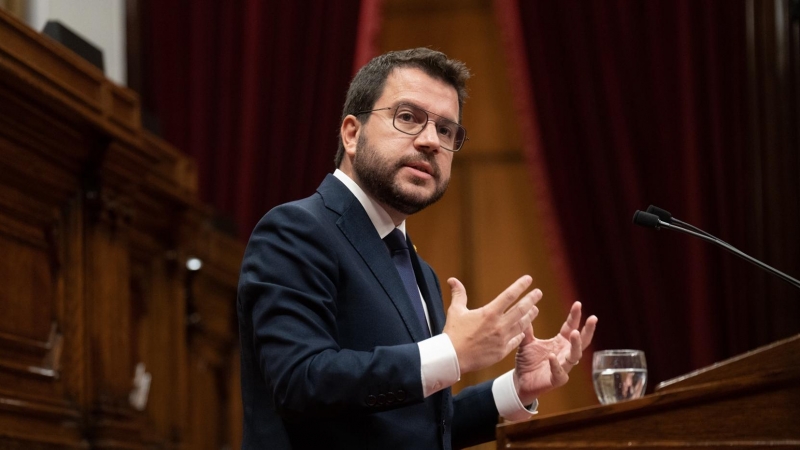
(112,212)
(48,71)
(47,354)
(49,423)
(110,207)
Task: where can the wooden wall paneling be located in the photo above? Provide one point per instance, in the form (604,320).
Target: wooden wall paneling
(156,287)
(97,219)
(165,226)
(108,306)
(37,325)
(206,399)
(48,74)
(53,84)
(41,324)
(224,254)
(213,339)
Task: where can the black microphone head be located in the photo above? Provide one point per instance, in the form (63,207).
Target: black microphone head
(646,220)
(665,216)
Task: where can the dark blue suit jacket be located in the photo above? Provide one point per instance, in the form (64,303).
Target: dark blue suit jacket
(328,335)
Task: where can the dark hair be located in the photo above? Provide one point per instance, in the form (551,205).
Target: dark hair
(367,86)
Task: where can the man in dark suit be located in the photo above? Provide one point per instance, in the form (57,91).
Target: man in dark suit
(343,332)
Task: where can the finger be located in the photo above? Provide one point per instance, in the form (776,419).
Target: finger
(523,324)
(458,293)
(528,335)
(575,351)
(514,342)
(560,376)
(523,312)
(573,319)
(536,295)
(519,317)
(510,295)
(588,331)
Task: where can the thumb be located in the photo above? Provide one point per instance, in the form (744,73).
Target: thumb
(459,293)
(528,336)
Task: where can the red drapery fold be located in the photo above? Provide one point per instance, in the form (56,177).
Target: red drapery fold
(525,101)
(253,91)
(625,104)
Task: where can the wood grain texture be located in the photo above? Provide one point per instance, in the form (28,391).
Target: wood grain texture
(97,219)
(749,401)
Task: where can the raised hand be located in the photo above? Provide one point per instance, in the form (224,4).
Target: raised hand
(542,365)
(484,336)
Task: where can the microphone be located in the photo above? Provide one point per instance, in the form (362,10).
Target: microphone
(651,220)
(667,217)
(647,220)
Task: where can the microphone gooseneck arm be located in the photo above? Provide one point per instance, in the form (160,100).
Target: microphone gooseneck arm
(648,220)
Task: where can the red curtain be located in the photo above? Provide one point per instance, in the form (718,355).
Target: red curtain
(625,104)
(253,91)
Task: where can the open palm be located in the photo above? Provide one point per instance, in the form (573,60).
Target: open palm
(544,364)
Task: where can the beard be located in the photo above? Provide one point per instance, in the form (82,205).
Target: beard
(378,177)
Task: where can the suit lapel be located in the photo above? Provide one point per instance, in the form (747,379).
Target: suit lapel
(356,226)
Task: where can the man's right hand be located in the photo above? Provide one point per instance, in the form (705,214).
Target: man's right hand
(484,336)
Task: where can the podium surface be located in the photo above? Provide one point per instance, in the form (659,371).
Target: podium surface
(749,401)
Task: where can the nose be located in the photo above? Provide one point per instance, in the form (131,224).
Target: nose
(428,139)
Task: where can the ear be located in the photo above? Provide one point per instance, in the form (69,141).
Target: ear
(351,129)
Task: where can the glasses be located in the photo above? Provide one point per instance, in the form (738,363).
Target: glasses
(410,119)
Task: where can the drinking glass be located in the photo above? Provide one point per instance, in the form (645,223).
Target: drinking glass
(619,375)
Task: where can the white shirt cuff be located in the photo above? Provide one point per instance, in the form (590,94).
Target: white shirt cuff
(507,401)
(439,364)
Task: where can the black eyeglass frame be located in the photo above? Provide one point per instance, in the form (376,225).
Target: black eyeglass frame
(427,116)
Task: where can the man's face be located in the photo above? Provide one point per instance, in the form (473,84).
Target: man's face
(403,172)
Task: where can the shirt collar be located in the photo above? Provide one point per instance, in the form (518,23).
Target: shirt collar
(379,217)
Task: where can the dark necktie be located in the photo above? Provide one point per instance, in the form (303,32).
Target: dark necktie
(396,242)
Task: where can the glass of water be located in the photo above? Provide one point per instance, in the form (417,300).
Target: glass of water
(619,375)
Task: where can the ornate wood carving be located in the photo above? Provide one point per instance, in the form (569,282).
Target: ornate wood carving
(97,219)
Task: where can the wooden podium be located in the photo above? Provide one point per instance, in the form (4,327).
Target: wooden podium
(749,401)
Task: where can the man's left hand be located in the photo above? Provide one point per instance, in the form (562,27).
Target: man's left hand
(543,365)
